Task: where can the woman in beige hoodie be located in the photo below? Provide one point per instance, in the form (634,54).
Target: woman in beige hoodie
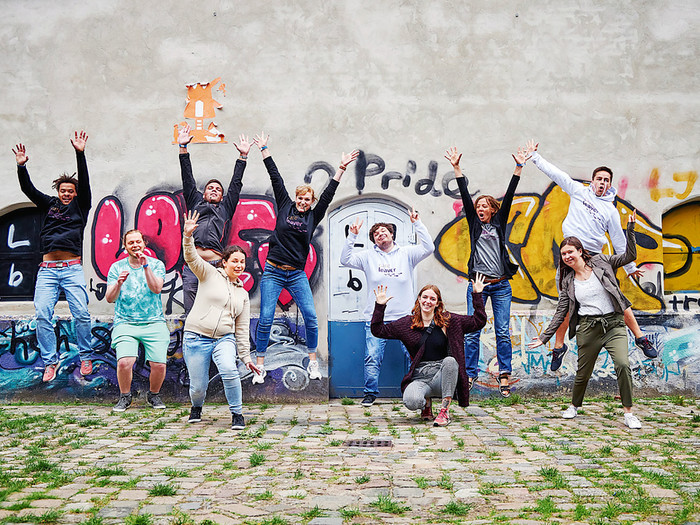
(217,327)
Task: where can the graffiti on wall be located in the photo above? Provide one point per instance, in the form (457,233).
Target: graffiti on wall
(677,337)
(534,234)
(159,216)
(200,106)
(21,367)
(681,227)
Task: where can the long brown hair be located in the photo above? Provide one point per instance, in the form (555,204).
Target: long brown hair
(441,316)
(565,269)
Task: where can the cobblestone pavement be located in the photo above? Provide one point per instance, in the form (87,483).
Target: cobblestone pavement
(514,461)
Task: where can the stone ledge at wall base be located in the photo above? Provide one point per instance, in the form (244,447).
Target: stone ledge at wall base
(21,367)
(674,372)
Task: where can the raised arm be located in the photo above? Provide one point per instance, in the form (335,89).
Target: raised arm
(199,266)
(619,242)
(327,196)
(281,195)
(630,254)
(189,186)
(559,177)
(454,157)
(379,329)
(348,256)
(79,141)
(40,199)
(425,245)
(230,200)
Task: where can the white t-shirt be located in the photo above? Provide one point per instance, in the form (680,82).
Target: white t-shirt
(592,298)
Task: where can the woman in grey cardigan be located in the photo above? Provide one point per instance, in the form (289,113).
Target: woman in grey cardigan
(590,293)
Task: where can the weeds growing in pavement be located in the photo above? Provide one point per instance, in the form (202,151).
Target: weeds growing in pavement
(362,479)
(384,503)
(256,459)
(162,489)
(457,508)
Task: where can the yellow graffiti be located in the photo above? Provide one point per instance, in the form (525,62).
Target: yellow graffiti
(689,177)
(681,241)
(535,234)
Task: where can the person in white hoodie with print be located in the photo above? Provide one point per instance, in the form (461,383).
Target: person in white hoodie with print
(592,214)
(388,264)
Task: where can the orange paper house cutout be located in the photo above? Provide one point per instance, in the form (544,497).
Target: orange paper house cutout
(201,106)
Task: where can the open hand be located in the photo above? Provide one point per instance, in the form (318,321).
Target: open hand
(261,140)
(184,135)
(243,145)
(521,157)
(190,223)
(79,141)
(529,148)
(380,294)
(20,154)
(478,284)
(122,277)
(346,159)
(453,156)
(355,226)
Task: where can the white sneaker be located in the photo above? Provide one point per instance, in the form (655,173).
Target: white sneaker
(570,413)
(259,379)
(632,421)
(313,371)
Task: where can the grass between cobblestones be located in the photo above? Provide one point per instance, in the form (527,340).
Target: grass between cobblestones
(500,461)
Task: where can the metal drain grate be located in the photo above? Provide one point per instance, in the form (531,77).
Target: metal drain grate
(369,443)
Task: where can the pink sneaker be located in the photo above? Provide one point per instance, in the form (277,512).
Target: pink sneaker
(50,372)
(443,418)
(86,367)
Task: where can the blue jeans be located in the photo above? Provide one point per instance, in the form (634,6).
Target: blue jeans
(297,284)
(198,351)
(374,355)
(501,295)
(49,283)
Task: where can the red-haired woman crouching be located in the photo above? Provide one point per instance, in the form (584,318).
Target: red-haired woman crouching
(434,338)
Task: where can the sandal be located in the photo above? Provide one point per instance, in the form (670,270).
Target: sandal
(504,389)
(472,381)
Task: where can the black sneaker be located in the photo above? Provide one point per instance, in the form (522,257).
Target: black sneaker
(368,400)
(647,347)
(155,401)
(237,422)
(195,415)
(123,403)
(558,357)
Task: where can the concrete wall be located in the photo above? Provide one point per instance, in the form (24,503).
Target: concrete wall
(594,83)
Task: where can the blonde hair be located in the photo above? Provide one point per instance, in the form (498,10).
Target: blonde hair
(303,189)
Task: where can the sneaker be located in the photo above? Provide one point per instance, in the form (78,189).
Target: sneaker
(558,357)
(155,401)
(632,421)
(86,367)
(123,403)
(427,413)
(647,347)
(237,422)
(443,418)
(570,413)
(368,400)
(50,372)
(258,379)
(195,415)
(313,371)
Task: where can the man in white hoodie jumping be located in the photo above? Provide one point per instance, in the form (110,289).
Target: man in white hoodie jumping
(591,214)
(391,265)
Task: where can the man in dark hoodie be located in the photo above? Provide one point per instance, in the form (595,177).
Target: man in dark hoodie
(215,209)
(61,243)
